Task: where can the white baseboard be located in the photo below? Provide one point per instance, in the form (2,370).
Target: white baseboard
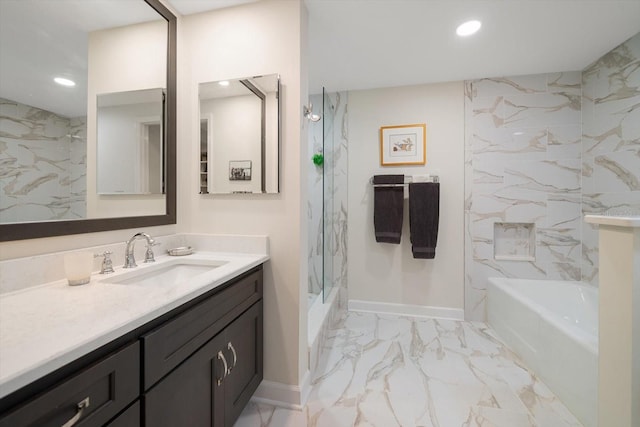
(284,395)
(407,309)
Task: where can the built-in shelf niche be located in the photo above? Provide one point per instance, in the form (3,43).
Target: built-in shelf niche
(514,241)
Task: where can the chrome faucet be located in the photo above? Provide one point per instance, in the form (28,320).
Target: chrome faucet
(129,259)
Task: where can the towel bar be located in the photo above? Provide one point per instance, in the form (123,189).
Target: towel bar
(408,179)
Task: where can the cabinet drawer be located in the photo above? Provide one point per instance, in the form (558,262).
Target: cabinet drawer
(110,385)
(166,347)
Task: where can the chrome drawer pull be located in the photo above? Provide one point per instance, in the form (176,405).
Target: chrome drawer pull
(235,356)
(80,406)
(226,367)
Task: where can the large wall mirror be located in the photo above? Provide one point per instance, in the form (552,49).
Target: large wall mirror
(73,76)
(239,135)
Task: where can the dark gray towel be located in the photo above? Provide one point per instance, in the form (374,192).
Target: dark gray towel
(388,208)
(424,213)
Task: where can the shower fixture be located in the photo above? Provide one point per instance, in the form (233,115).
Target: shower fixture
(308,113)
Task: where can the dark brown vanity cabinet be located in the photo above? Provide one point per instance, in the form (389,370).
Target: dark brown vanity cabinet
(91,397)
(213,385)
(197,365)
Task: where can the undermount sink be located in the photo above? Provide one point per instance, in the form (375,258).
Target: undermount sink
(165,274)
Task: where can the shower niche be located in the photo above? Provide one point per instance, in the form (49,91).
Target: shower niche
(514,241)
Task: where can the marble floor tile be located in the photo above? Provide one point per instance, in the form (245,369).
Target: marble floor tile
(383,371)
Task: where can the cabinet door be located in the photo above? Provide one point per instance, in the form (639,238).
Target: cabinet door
(129,418)
(190,395)
(243,350)
(170,344)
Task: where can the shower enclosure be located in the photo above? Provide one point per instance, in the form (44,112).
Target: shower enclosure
(327,197)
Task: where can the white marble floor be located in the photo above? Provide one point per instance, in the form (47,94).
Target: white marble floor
(383,371)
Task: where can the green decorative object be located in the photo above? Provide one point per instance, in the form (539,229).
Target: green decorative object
(318,159)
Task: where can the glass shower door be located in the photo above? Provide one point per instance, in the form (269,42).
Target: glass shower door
(328,190)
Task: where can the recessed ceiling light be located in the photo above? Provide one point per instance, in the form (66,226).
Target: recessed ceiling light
(468,28)
(64,82)
(224,83)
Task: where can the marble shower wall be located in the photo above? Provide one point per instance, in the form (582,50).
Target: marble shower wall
(610,142)
(335,163)
(339,166)
(43,158)
(522,165)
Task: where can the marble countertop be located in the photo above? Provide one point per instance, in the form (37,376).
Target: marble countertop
(43,328)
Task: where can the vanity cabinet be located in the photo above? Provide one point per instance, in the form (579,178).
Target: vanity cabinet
(197,365)
(213,385)
(91,397)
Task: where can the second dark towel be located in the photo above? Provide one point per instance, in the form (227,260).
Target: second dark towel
(388,208)
(424,213)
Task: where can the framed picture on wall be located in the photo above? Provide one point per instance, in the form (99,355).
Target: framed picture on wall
(403,145)
(239,170)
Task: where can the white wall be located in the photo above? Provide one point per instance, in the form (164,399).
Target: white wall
(254,39)
(382,272)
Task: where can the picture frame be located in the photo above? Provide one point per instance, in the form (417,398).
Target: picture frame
(239,170)
(403,145)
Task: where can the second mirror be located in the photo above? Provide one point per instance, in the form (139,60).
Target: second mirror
(239,135)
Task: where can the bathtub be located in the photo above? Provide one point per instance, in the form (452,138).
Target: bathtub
(553,327)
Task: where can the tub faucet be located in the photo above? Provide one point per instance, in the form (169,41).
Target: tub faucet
(129,259)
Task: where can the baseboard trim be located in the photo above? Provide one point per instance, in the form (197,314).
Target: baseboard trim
(284,395)
(406,309)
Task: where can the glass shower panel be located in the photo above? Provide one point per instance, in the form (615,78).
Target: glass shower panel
(329,237)
(315,206)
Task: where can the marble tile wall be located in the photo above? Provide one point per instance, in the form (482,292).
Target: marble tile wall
(548,149)
(43,158)
(522,165)
(336,218)
(610,142)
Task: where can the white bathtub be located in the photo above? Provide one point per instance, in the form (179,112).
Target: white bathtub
(553,326)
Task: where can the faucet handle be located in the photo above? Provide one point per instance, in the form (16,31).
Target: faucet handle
(149,256)
(107,264)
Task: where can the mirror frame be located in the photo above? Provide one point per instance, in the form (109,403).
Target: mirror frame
(32,230)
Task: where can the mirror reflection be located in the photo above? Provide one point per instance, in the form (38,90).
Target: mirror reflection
(239,135)
(55,57)
(131,142)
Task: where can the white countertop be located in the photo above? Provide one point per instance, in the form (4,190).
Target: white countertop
(45,327)
(620,221)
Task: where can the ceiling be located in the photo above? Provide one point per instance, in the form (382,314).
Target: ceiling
(362,44)
(43,39)
(353,44)
(358,44)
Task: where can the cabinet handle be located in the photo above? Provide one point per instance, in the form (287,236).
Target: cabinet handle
(235,356)
(80,407)
(226,367)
